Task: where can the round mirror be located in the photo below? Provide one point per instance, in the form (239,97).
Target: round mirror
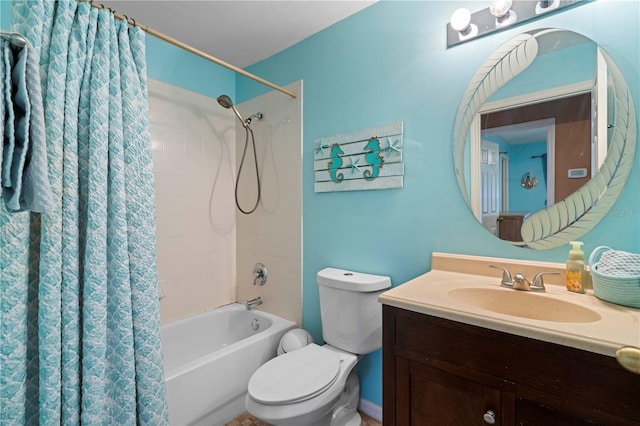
(544,138)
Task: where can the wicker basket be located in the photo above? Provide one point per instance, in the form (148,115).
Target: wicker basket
(622,290)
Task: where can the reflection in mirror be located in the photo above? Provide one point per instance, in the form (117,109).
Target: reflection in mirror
(531,151)
(547,143)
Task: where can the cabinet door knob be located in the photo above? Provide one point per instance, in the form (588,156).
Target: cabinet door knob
(489,417)
(629,358)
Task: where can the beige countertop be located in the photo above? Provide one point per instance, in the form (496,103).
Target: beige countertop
(607,326)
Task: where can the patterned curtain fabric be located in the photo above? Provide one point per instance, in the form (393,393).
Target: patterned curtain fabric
(79,313)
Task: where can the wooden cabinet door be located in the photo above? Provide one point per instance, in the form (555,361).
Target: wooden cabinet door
(439,398)
(529,413)
(440,372)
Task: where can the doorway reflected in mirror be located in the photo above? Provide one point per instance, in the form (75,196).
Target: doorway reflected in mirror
(537,144)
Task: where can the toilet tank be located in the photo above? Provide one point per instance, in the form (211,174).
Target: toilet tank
(350,311)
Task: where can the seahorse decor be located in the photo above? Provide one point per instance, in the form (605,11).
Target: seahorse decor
(336,163)
(373,158)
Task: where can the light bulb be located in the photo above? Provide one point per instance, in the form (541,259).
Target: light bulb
(499,8)
(461,22)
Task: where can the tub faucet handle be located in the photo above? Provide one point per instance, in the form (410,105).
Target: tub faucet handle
(259,274)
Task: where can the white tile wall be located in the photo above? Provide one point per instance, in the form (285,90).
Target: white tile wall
(193,141)
(273,234)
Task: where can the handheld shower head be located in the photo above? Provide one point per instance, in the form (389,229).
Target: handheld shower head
(225,102)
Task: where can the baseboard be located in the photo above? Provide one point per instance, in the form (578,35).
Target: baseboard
(370,409)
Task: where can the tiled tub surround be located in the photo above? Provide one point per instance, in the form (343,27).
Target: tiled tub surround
(272,235)
(193,142)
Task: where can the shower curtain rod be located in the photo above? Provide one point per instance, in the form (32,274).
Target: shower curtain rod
(191,49)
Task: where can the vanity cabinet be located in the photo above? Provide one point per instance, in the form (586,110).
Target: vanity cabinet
(442,372)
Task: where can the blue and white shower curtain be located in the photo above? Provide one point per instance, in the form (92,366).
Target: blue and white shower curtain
(79,322)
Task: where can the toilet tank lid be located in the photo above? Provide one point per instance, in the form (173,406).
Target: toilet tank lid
(352,281)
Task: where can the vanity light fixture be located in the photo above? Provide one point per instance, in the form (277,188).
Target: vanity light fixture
(501,14)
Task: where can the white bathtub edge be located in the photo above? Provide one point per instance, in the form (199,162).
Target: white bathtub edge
(193,388)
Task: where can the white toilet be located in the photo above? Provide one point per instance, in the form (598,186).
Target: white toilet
(318,385)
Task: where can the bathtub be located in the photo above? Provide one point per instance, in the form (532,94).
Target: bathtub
(209,358)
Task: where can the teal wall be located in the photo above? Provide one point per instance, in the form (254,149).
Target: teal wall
(173,65)
(5,14)
(520,162)
(567,66)
(390,63)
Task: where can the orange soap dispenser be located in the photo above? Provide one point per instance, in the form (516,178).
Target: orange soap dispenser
(575,268)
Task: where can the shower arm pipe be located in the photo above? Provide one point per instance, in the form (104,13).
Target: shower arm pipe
(191,49)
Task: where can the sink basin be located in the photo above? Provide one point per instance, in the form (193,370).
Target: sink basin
(524,304)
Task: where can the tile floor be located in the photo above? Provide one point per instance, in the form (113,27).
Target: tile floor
(368,421)
(246,419)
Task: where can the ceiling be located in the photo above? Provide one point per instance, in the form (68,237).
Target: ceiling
(240,32)
(515,134)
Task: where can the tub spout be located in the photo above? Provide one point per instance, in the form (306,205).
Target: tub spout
(253,303)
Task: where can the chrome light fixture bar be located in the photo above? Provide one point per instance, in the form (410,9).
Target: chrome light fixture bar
(501,14)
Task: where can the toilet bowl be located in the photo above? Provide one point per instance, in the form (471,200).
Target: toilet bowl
(307,387)
(318,385)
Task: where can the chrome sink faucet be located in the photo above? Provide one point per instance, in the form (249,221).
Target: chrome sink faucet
(253,303)
(519,282)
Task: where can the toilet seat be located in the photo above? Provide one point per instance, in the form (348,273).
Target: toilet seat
(295,376)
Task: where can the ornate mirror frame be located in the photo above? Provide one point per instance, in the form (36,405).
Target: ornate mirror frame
(577,214)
